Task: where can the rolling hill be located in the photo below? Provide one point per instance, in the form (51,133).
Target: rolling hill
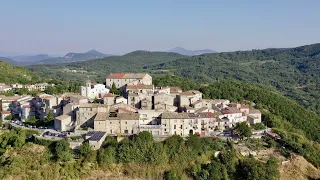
(8,60)
(98,69)
(293,71)
(188,52)
(13,74)
(74,57)
(34,58)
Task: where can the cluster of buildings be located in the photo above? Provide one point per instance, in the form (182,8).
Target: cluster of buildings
(32,87)
(163,111)
(25,107)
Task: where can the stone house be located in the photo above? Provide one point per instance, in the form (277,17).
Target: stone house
(122,79)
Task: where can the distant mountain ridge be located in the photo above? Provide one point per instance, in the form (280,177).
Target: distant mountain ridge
(188,52)
(34,58)
(8,60)
(74,57)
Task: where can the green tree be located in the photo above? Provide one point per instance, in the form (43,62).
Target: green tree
(62,150)
(110,141)
(243,129)
(49,118)
(9,117)
(170,175)
(95,100)
(114,89)
(259,126)
(194,143)
(107,156)
(85,148)
(173,144)
(87,152)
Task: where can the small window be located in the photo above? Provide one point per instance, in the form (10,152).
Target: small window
(110,122)
(126,122)
(174,127)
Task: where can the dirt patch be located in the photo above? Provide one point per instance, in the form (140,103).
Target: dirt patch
(299,169)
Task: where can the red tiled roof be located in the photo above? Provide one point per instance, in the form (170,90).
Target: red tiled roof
(109,95)
(230,110)
(115,76)
(47,97)
(207,115)
(190,93)
(244,106)
(126,76)
(125,110)
(175,89)
(5,112)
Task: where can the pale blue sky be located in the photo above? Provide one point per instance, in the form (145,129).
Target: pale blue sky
(60,26)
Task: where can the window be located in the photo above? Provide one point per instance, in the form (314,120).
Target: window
(174,127)
(181,126)
(126,122)
(110,122)
(111,131)
(165,129)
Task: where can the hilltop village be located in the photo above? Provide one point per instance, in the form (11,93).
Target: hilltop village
(99,110)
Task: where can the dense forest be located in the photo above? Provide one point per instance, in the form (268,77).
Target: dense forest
(13,74)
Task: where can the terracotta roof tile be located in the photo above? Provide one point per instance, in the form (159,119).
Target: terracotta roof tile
(230,110)
(115,76)
(126,76)
(244,107)
(109,95)
(5,112)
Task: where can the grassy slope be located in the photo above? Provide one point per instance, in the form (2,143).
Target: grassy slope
(13,74)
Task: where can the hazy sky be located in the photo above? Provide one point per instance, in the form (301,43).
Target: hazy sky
(60,26)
